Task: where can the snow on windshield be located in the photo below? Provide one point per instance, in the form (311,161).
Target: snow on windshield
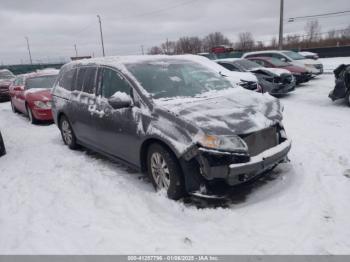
(176,78)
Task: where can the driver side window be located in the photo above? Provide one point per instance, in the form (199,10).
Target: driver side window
(112,82)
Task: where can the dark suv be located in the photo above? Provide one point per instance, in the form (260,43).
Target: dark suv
(173,117)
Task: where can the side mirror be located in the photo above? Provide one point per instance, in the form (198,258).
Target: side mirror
(283,59)
(120,100)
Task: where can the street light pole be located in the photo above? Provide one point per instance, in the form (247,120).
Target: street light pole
(103,47)
(76,50)
(30,55)
(280,39)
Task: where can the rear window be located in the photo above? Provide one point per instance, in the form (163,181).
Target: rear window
(41,81)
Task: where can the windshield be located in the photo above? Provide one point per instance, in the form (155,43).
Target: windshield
(293,55)
(5,74)
(41,81)
(246,65)
(177,78)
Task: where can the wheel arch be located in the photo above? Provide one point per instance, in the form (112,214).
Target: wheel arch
(145,146)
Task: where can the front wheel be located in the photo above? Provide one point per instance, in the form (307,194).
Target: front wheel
(165,171)
(30,115)
(67,133)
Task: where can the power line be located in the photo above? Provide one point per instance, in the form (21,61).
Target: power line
(292,19)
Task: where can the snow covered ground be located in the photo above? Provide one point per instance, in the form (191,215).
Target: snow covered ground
(57,201)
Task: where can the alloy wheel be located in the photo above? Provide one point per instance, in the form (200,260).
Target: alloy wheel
(66,132)
(160,171)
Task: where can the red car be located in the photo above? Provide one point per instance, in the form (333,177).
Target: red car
(300,74)
(30,94)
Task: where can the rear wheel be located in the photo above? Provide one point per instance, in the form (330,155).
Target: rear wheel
(67,133)
(165,171)
(30,115)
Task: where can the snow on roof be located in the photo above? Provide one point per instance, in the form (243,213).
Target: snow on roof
(228,59)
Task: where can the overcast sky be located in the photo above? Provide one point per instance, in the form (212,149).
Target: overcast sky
(53,27)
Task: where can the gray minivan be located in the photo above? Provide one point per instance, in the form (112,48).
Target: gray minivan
(173,117)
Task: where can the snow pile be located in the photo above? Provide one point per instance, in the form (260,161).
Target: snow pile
(121,96)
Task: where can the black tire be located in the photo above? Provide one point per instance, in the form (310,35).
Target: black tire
(348,98)
(67,133)
(2,146)
(30,115)
(175,185)
(14,109)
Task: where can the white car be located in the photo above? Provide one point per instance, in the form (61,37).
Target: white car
(312,66)
(245,79)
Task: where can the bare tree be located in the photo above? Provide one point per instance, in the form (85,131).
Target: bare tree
(292,41)
(313,31)
(274,42)
(245,41)
(215,39)
(168,47)
(188,45)
(155,50)
(332,34)
(345,33)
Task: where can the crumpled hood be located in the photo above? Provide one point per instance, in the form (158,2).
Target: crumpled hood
(276,71)
(236,111)
(239,76)
(39,94)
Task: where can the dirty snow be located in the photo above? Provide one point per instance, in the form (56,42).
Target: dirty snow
(57,201)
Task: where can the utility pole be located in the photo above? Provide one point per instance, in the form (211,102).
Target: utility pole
(103,47)
(142,51)
(76,50)
(280,39)
(30,55)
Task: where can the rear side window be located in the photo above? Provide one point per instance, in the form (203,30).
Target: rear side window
(260,62)
(89,81)
(112,82)
(80,78)
(67,80)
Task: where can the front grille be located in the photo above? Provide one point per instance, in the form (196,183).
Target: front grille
(260,141)
(249,85)
(286,78)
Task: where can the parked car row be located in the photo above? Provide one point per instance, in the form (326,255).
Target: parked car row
(277,72)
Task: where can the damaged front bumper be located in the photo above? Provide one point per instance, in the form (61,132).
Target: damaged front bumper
(277,88)
(242,167)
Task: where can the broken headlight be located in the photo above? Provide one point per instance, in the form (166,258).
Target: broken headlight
(223,143)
